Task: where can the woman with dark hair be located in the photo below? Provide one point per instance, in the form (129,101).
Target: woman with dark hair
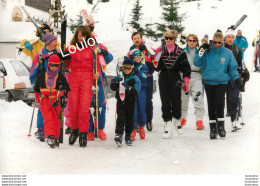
(80,80)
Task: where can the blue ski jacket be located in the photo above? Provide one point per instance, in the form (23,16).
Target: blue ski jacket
(241,43)
(218,65)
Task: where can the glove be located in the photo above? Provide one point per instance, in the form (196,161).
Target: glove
(203,48)
(125,85)
(131,82)
(240,85)
(117,79)
(28,45)
(103,52)
(186,84)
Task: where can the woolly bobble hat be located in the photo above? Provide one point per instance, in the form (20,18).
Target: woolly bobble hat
(54,59)
(48,38)
(128,61)
(134,52)
(229,32)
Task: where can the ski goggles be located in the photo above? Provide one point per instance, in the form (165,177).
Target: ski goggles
(54,65)
(127,67)
(136,56)
(170,38)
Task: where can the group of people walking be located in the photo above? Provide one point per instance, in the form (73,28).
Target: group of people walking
(183,75)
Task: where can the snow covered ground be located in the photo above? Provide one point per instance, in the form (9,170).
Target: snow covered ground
(192,154)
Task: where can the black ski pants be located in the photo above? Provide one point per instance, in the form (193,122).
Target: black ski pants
(171,100)
(125,117)
(232,99)
(216,100)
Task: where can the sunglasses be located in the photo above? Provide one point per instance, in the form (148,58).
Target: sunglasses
(215,42)
(136,56)
(192,41)
(54,65)
(170,38)
(127,67)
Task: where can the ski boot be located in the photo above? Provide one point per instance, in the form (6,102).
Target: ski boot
(90,136)
(177,126)
(234,124)
(141,132)
(118,140)
(183,122)
(68,130)
(57,142)
(102,135)
(149,126)
(213,131)
(199,125)
(128,140)
(73,136)
(221,129)
(83,139)
(167,130)
(51,141)
(40,134)
(133,135)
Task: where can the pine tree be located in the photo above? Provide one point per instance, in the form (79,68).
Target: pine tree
(76,23)
(136,16)
(171,20)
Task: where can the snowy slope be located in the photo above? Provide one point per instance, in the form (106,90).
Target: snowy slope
(193,153)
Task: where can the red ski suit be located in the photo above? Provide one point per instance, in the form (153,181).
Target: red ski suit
(50,114)
(80,81)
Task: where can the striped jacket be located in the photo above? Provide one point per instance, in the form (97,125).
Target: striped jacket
(174,62)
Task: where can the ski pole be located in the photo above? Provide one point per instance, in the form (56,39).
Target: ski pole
(30,130)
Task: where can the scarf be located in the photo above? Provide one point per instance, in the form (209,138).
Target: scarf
(52,75)
(170,48)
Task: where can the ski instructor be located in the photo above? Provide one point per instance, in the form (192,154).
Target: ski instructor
(173,61)
(80,81)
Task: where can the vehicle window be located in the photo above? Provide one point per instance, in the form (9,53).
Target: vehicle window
(20,68)
(2,69)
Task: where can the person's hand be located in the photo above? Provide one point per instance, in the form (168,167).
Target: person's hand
(203,48)
(244,49)
(240,84)
(103,52)
(96,76)
(28,45)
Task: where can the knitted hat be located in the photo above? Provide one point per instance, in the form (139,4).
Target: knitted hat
(128,61)
(134,52)
(229,32)
(48,38)
(54,59)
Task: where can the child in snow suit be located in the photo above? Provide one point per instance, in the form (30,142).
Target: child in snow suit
(141,71)
(52,85)
(125,103)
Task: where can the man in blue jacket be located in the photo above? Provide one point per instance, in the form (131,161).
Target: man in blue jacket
(218,66)
(241,42)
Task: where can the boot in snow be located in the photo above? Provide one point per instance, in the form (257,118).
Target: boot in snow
(90,136)
(149,126)
(141,132)
(177,126)
(83,139)
(118,140)
(199,125)
(102,135)
(167,130)
(221,129)
(133,135)
(51,141)
(183,122)
(213,131)
(40,134)
(128,140)
(73,136)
